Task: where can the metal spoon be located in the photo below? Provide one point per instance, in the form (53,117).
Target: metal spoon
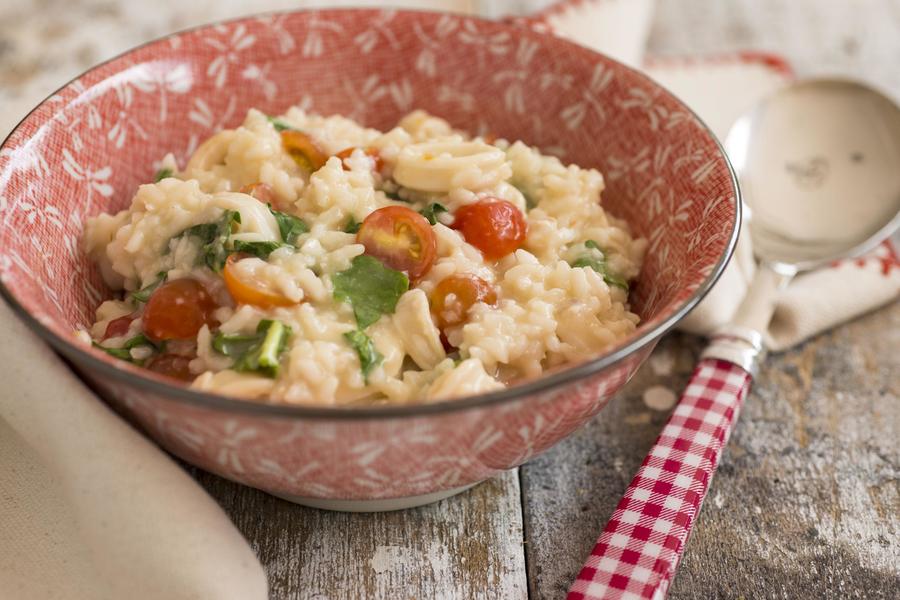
(819,168)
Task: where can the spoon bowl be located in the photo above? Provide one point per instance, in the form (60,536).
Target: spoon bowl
(818,166)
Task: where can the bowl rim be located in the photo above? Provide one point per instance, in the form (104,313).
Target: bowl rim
(84,362)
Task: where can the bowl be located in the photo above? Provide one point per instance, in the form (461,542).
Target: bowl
(86,148)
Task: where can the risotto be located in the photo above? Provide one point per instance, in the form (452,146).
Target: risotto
(310,260)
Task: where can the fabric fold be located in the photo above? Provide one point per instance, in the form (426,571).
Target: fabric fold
(93,510)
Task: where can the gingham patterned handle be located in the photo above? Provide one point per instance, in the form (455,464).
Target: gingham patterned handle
(638,552)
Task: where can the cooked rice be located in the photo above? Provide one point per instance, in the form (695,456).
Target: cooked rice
(548,312)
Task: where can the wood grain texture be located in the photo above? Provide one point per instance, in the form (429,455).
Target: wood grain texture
(466,548)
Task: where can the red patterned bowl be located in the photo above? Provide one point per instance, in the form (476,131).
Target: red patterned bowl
(87,148)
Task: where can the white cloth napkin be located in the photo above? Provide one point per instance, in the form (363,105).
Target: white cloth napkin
(720,89)
(89,509)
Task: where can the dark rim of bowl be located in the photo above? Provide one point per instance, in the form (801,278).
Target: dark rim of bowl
(89,362)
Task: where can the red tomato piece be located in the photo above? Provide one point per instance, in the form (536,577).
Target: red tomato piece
(177,310)
(303,150)
(496,227)
(401,238)
(249,290)
(261,191)
(171,365)
(377,161)
(119,327)
(454,296)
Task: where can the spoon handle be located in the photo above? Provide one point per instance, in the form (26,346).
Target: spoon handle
(639,550)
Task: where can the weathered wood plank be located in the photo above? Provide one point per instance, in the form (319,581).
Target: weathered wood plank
(466,548)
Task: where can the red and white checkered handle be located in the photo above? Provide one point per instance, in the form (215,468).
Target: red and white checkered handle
(638,552)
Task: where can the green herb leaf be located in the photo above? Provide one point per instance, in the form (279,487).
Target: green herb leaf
(258,353)
(162,174)
(290,226)
(394,196)
(138,340)
(143,294)
(370,287)
(592,244)
(431,212)
(530,202)
(369,356)
(122,353)
(258,249)
(275,342)
(213,238)
(352,225)
(234,344)
(599,264)
(278,124)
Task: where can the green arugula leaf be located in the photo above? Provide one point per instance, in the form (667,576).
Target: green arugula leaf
(258,249)
(258,353)
(394,196)
(162,174)
(371,289)
(431,212)
(369,356)
(529,201)
(597,262)
(352,225)
(290,226)
(278,124)
(138,340)
(213,239)
(122,353)
(143,294)
(234,344)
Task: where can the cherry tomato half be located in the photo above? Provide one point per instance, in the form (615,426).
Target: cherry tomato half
(171,365)
(177,310)
(496,227)
(265,194)
(377,161)
(303,150)
(452,298)
(246,289)
(119,327)
(261,191)
(399,237)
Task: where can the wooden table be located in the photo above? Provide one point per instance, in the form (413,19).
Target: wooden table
(807,498)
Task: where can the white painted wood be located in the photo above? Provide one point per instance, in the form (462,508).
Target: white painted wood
(468,547)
